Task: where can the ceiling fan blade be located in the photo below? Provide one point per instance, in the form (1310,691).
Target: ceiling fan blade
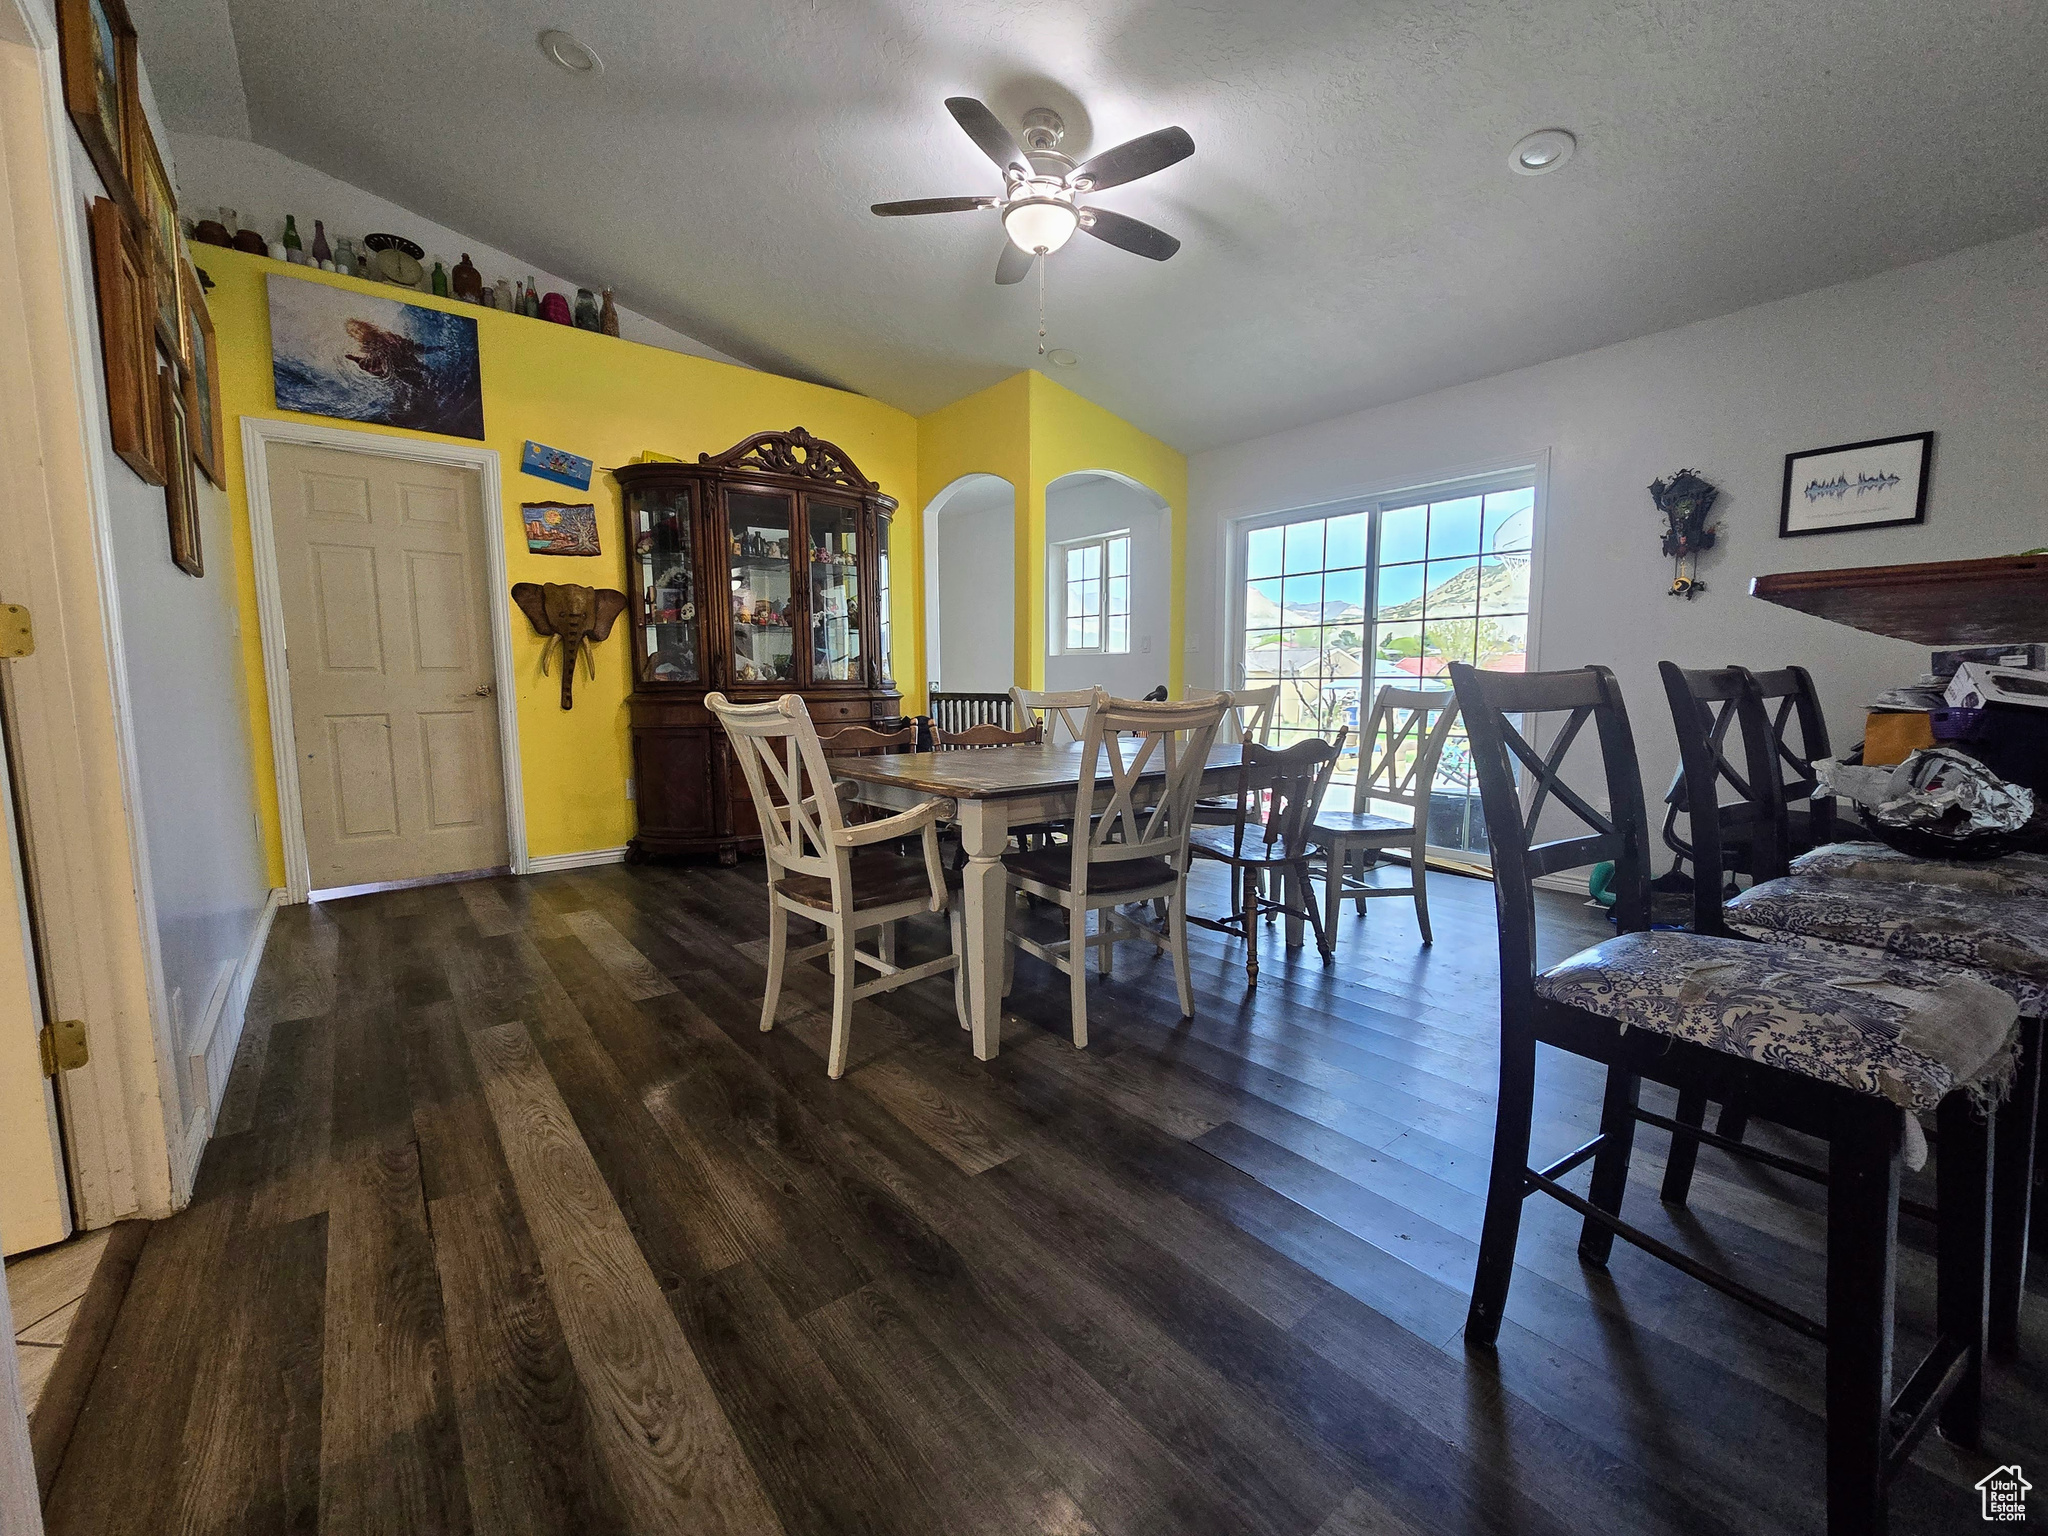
(988,132)
(1137,157)
(1133,235)
(933,205)
(1013,266)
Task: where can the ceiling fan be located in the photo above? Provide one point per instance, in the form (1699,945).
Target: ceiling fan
(1042,188)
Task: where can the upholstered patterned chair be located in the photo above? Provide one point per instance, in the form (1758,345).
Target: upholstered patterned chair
(1863,902)
(1845,1050)
(2017,874)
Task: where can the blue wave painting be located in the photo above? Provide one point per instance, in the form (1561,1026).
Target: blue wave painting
(335,352)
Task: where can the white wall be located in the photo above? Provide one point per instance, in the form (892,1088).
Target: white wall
(262,186)
(975,553)
(1958,346)
(1078,508)
(190,738)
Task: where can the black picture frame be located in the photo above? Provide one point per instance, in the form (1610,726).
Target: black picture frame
(1925,440)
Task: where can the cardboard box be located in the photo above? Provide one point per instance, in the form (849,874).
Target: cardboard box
(1976,685)
(1890,737)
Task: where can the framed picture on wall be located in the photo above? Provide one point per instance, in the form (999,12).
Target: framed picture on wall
(1856,485)
(94,41)
(127,341)
(181,492)
(202,382)
(157,205)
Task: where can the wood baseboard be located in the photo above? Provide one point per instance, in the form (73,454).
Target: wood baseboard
(542,863)
(63,1397)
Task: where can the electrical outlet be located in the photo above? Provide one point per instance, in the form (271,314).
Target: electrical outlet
(629,789)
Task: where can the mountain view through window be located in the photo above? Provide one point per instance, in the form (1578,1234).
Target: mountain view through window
(1448,581)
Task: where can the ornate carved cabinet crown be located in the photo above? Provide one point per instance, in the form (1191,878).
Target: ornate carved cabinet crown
(759,571)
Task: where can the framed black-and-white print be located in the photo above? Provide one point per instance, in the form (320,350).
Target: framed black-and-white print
(1856,485)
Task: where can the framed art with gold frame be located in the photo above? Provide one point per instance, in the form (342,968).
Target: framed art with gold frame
(157,204)
(127,347)
(202,382)
(95,45)
(181,492)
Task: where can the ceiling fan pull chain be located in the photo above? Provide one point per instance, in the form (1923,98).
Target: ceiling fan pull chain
(1042,265)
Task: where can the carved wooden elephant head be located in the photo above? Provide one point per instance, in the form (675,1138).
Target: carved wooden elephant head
(574,616)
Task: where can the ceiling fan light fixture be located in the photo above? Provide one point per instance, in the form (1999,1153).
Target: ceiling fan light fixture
(1542,151)
(1040,225)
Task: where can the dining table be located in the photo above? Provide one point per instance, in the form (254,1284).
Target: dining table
(991,792)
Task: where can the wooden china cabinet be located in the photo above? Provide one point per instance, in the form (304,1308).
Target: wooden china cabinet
(756,572)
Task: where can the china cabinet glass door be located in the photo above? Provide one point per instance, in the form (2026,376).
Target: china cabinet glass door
(760,535)
(888,672)
(664,547)
(835,592)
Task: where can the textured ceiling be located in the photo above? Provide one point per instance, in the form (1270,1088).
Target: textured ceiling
(1352,232)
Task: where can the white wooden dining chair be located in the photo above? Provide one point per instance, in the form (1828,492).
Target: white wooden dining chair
(830,873)
(1124,853)
(1064,714)
(1250,717)
(1397,757)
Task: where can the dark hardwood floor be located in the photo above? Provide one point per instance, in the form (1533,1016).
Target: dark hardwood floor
(515,1222)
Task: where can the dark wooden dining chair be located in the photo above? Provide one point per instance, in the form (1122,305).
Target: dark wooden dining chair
(1702,1013)
(1925,921)
(1794,703)
(1787,702)
(1270,841)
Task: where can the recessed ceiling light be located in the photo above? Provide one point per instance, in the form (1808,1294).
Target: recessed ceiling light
(1544,150)
(1060,357)
(575,57)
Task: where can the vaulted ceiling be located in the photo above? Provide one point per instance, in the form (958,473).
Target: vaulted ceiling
(1353,233)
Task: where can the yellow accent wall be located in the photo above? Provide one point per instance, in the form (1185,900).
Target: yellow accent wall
(988,433)
(1032,431)
(1070,434)
(611,401)
(608,400)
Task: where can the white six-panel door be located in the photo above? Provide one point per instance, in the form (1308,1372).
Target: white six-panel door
(35,1203)
(382,576)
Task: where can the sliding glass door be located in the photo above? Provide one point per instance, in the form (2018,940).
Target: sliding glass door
(1336,605)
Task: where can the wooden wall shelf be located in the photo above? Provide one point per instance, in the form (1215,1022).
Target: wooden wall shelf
(1941,602)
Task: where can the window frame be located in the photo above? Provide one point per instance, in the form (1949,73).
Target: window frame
(1532,473)
(1063,616)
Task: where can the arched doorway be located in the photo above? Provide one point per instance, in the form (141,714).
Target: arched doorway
(1109,584)
(970,619)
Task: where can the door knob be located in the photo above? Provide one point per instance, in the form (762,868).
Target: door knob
(487,691)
